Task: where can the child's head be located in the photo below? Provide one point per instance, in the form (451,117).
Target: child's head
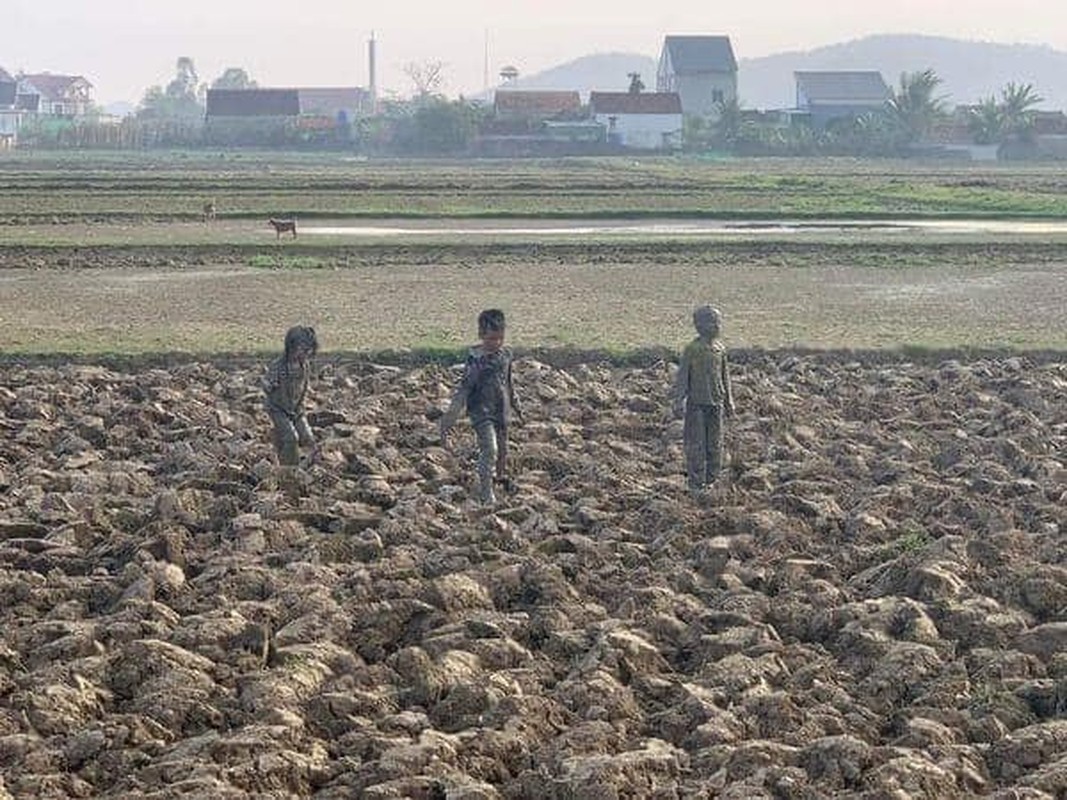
(300,342)
(708,321)
(491,329)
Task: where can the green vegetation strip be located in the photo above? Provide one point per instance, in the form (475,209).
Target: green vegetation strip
(173,187)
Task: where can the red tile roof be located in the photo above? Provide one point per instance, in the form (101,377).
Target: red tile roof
(514,102)
(54,87)
(635,103)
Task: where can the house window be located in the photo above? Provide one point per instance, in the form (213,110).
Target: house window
(718,96)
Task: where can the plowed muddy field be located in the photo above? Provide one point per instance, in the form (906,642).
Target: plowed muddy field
(873,603)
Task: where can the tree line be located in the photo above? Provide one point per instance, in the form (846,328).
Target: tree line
(909,118)
(173,115)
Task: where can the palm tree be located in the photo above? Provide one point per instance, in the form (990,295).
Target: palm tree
(728,121)
(1017,103)
(986,121)
(914,104)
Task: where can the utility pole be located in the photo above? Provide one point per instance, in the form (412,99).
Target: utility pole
(372,74)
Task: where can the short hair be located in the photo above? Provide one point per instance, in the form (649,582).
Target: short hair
(492,319)
(707,314)
(301,335)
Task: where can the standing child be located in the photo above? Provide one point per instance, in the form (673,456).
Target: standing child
(285,386)
(488,394)
(703,388)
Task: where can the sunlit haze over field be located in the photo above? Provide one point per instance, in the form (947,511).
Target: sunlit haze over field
(123,47)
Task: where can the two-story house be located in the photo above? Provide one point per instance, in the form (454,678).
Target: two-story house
(702,70)
(55,95)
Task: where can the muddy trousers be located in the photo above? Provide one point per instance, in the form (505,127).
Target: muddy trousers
(492,456)
(289,434)
(703,440)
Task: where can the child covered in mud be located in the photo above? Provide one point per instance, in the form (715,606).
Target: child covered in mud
(702,392)
(488,394)
(285,386)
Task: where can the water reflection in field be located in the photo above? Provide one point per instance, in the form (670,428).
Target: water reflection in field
(710,228)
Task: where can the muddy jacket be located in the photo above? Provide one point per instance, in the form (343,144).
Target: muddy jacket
(703,377)
(285,385)
(486,390)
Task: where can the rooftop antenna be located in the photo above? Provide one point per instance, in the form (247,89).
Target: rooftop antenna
(485,66)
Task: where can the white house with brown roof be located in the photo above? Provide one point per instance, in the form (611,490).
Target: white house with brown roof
(646,120)
(701,69)
(55,95)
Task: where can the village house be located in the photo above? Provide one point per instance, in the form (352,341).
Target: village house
(529,122)
(334,103)
(8,89)
(702,70)
(827,95)
(55,95)
(341,103)
(535,106)
(645,120)
(279,116)
(252,103)
(9,115)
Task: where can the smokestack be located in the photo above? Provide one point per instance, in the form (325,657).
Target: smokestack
(373,75)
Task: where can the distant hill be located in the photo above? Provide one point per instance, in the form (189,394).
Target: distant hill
(602,72)
(969,70)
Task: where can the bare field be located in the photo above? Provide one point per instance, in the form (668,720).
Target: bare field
(870,602)
(44,188)
(614,306)
(871,605)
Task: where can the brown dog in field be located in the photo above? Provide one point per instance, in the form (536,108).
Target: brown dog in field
(283,226)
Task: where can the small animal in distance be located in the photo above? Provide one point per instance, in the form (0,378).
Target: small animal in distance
(283,226)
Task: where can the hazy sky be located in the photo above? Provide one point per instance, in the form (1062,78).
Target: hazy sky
(124,46)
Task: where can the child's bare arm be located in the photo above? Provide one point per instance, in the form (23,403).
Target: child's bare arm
(728,394)
(459,398)
(451,415)
(513,400)
(680,388)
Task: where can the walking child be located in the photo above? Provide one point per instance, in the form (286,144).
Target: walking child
(488,394)
(702,390)
(285,386)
